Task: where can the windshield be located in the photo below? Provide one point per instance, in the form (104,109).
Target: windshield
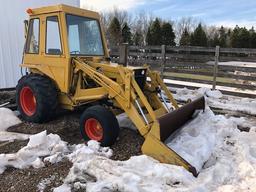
(84,36)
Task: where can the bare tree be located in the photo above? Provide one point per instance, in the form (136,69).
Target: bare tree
(122,16)
(188,23)
(108,16)
(141,23)
(211,31)
(104,19)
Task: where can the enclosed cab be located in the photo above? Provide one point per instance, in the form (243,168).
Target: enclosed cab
(58,33)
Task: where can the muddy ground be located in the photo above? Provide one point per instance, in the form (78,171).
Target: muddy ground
(66,125)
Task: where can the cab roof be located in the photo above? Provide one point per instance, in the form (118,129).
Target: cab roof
(65,9)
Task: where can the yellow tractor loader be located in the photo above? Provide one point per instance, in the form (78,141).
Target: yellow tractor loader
(67,65)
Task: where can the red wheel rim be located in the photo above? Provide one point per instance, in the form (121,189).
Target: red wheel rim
(27,101)
(93,129)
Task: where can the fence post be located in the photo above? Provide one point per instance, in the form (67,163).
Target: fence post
(123,54)
(163,55)
(215,69)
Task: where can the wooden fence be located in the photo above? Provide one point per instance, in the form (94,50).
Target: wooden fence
(231,70)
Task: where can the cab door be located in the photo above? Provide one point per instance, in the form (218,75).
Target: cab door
(53,50)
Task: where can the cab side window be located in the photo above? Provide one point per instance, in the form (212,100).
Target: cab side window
(53,42)
(32,45)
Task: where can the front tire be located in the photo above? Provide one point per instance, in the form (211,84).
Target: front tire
(36,98)
(100,124)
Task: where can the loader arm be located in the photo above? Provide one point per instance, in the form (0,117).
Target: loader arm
(136,105)
(116,92)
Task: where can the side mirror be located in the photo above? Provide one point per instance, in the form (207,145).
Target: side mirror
(25,28)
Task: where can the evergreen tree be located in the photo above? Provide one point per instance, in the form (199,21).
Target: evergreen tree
(185,38)
(244,38)
(252,38)
(229,33)
(114,31)
(149,37)
(199,38)
(214,41)
(126,34)
(168,35)
(156,33)
(223,37)
(235,37)
(240,38)
(138,38)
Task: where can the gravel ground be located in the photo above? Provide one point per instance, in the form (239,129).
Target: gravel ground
(128,144)
(8,97)
(15,180)
(12,147)
(66,125)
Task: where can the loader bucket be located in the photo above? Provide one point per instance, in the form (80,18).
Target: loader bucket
(171,122)
(154,144)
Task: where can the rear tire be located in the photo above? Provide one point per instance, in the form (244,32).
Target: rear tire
(36,98)
(100,124)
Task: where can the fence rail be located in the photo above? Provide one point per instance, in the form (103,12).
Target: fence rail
(232,70)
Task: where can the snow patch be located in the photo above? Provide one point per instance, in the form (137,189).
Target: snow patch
(217,99)
(39,145)
(212,143)
(196,140)
(225,157)
(244,105)
(7,119)
(214,94)
(139,173)
(44,182)
(63,188)
(125,122)
(11,136)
